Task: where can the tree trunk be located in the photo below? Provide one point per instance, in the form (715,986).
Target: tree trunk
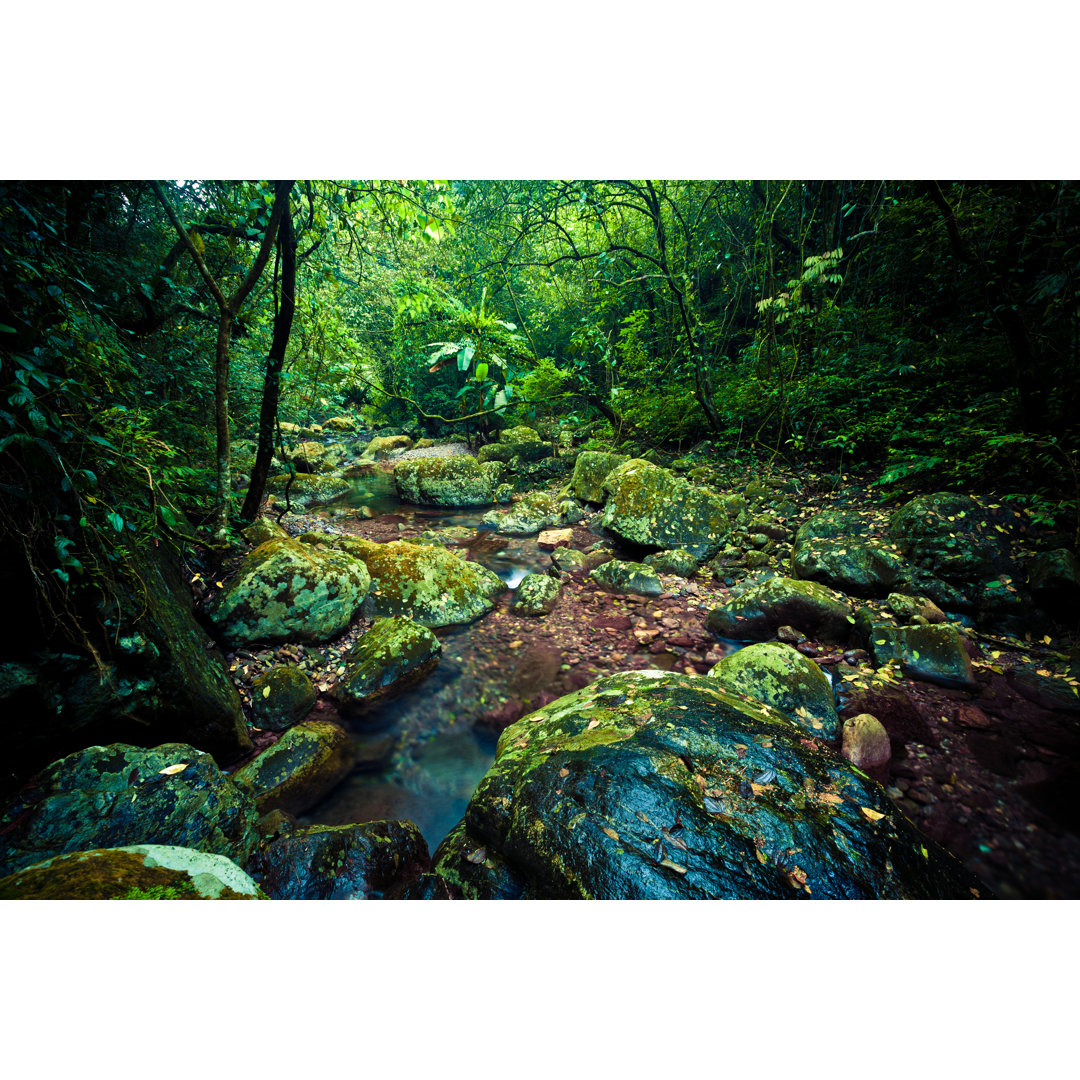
(221,423)
(275,360)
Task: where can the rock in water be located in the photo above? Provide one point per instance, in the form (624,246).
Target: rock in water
(305,764)
(137,872)
(394,654)
(537,594)
(371,861)
(113,796)
(447,481)
(663,787)
(288,591)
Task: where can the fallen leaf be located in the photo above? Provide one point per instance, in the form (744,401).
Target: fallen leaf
(593,723)
(872,815)
(172,770)
(673,866)
(477,857)
(564,772)
(830,797)
(612,833)
(1042,671)
(266,691)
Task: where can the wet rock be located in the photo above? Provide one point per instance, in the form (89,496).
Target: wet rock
(830,548)
(281,697)
(434,586)
(912,608)
(118,795)
(275,823)
(394,654)
(894,710)
(652,507)
(782,678)
(306,763)
(447,481)
(472,872)
(590,471)
(527,516)
(790,636)
(340,423)
(757,612)
(524,443)
(135,872)
(306,489)
(550,539)
(628,577)
(537,595)
(659,786)
(675,561)
(1045,690)
(370,861)
(379,447)
(934,654)
(426,887)
(569,560)
(866,745)
(572,511)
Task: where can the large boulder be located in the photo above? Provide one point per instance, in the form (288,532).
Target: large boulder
(527,516)
(651,507)
(591,469)
(371,861)
(113,796)
(434,586)
(831,548)
(782,678)
(933,654)
(340,423)
(306,763)
(447,481)
(537,594)
(306,489)
(763,607)
(676,561)
(382,445)
(288,591)
(618,576)
(524,443)
(394,654)
(281,697)
(136,872)
(665,787)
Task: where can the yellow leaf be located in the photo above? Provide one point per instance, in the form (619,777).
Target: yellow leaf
(925,853)
(829,797)
(673,866)
(266,691)
(1046,640)
(1042,671)
(871,815)
(593,723)
(219,585)
(612,833)
(564,772)
(172,770)
(761,856)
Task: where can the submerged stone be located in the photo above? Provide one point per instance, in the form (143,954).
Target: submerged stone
(394,654)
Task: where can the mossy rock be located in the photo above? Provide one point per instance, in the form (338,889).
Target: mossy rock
(340,423)
(380,446)
(370,861)
(474,873)
(675,561)
(281,697)
(857,567)
(447,481)
(537,594)
(434,586)
(524,443)
(531,513)
(763,607)
(591,469)
(646,786)
(933,654)
(288,591)
(307,489)
(569,560)
(137,872)
(504,493)
(113,796)
(651,507)
(394,654)
(619,576)
(503,452)
(782,678)
(263,529)
(306,763)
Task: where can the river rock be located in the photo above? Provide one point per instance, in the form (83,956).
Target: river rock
(537,594)
(866,745)
(340,423)
(394,654)
(652,507)
(915,608)
(643,786)
(472,872)
(434,586)
(371,861)
(830,548)
(263,529)
(524,443)
(281,697)
(118,795)
(676,561)
(527,516)
(306,489)
(136,872)
(447,481)
(502,452)
(289,591)
(306,763)
(591,469)
(618,576)
(782,678)
(756,613)
(380,446)
(893,709)
(550,539)
(934,654)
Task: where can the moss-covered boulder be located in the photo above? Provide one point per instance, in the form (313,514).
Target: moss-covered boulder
(434,586)
(524,443)
(502,452)
(136,872)
(591,469)
(375,860)
(782,678)
(832,548)
(382,445)
(763,607)
(676,561)
(306,763)
(934,654)
(447,481)
(530,514)
(114,796)
(918,609)
(288,591)
(652,507)
(472,872)
(281,697)
(537,594)
(263,529)
(394,654)
(340,423)
(619,576)
(307,489)
(646,787)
